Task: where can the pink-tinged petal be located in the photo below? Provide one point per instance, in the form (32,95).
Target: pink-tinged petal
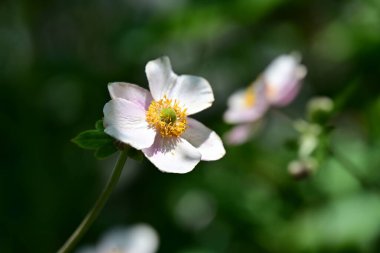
(192,92)
(130,92)
(160,77)
(241,133)
(205,140)
(288,95)
(125,121)
(283,79)
(240,112)
(173,155)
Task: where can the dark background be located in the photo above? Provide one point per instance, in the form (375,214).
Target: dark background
(56,58)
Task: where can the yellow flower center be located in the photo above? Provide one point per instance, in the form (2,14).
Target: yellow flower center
(249,97)
(167,117)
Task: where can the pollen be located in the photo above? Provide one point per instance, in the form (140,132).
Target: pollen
(167,117)
(249,97)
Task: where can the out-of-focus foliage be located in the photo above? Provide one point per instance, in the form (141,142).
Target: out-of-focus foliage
(56,58)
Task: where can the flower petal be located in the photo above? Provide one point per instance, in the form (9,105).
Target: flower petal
(241,133)
(174,155)
(125,121)
(192,92)
(130,92)
(160,77)
(205,140)
(282,78)
(239,112)
(287,96)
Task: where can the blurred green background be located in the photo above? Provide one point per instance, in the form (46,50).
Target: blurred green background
(56,58)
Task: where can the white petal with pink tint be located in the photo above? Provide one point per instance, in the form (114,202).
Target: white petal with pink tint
(205,140)
(241,133)
(125,121)
(283,78)
(160,76)
(192,92)
(174,155)
(130,92)
(287,96)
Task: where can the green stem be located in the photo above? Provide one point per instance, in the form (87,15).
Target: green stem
(284,116)
(94,212)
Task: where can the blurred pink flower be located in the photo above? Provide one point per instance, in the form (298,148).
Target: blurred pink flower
(277,86)
(157,122)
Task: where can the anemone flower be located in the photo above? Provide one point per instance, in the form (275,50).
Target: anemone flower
(157,122)
(277,86)
(140,238)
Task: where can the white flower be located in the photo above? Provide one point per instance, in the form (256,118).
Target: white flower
(277,86)
(157,122)
(140,238)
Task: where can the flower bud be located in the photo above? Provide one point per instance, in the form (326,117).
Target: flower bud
(319,109)
(309,137)
(300,169)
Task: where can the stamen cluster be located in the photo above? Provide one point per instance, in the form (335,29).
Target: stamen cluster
(249,97)
(167,117)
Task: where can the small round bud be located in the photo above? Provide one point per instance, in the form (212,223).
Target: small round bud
(319,109)
(301,169)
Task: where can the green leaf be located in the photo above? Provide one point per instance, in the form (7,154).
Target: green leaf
(92,139)
(99,125)
(103,144)
(105,150)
